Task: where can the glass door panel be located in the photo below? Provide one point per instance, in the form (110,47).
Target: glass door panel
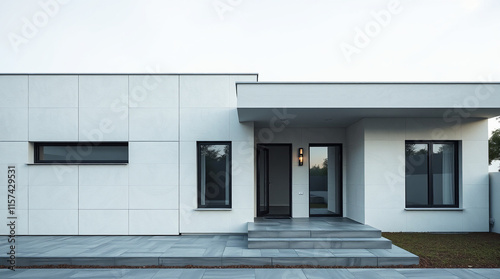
(325,180)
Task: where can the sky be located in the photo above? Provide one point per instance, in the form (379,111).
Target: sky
(281,40)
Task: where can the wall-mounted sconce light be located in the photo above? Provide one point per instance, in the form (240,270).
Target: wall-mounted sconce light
(301,156)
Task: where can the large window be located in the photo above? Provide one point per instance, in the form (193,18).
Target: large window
(81,152)
(431,174)
(214,174)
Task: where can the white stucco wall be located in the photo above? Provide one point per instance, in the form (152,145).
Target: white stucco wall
(385,174)
(495,200)
(355,178)
(161,116)
(301,138)
(208,113)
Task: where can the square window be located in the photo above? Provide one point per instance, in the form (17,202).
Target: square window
(431,174)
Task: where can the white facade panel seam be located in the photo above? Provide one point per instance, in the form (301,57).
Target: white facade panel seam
(79,136)
(179,154)
(78,200)
(128,120)
(28,106)
(28,211)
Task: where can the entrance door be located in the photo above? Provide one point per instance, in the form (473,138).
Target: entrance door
(274,180)
(325,180)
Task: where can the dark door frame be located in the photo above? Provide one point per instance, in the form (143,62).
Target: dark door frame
(341,213)
(289,174)
(260,152)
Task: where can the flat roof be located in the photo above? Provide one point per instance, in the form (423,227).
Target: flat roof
(343,103)
(125,74)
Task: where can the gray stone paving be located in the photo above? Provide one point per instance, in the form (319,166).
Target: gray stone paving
(202,250)
(251,273)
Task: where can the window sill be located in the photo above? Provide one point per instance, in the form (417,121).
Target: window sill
(48,164)
(434,209)
(213,209)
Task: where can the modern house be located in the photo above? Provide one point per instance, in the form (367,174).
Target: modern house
(168,154)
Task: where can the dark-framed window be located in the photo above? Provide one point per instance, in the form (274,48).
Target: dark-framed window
(431,174)
(214,174)
(81,152)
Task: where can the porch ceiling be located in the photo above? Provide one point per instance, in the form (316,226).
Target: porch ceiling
(341,104)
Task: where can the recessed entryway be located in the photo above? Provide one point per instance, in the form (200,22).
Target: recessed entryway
(274,180)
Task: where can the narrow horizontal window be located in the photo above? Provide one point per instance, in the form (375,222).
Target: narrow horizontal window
(81,152)
(214,175)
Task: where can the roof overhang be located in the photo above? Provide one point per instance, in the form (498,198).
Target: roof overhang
(341,104)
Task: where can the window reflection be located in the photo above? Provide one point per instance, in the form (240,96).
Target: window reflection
(325,183)
(81,153)
(214,175)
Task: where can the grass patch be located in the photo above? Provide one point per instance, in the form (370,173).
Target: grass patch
(451,250)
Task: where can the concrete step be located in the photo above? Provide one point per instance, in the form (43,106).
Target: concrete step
(319,243)
(256,233)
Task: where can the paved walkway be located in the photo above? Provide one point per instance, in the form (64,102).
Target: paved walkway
(251,273)
(199,250)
